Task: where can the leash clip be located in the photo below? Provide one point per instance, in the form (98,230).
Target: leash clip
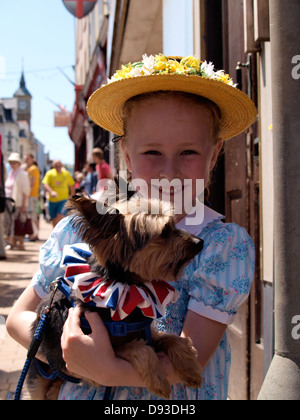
(53,287)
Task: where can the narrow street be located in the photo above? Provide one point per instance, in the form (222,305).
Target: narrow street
(15,274)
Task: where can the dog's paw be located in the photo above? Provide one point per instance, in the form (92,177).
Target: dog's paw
(192,378)
(162,390)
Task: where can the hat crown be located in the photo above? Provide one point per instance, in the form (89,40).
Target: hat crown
(14,157)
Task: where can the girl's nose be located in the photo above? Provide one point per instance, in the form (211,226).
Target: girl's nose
(170,169)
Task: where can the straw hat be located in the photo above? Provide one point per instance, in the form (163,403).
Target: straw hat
(14,157)
(161,73)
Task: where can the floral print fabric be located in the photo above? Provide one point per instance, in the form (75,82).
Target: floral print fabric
(213,285)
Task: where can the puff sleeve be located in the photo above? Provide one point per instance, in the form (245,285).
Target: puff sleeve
(51,256)
(224,274)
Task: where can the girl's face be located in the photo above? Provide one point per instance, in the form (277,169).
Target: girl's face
(170,138)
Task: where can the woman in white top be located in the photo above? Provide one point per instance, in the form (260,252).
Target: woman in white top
(17,187)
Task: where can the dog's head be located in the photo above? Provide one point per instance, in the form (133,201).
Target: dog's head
(137,234)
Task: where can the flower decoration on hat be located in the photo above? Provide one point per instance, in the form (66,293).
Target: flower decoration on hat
(161,64)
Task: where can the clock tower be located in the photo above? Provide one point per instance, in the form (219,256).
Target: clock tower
(24,101)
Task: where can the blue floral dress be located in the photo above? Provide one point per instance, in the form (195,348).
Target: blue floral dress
(213,285)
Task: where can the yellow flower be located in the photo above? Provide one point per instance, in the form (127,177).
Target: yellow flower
(191,62)
(161,63)
(176,67)
(124,73)
(161,57)
(165,65)
(225,78)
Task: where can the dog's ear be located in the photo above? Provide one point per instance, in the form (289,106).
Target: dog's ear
(123,189)
(81,205)
(92,225)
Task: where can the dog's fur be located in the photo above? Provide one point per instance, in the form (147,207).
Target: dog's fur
(132,248)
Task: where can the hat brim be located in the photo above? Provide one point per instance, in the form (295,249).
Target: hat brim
(105,106)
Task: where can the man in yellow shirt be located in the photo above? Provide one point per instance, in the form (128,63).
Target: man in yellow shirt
(34,177)
(59,184)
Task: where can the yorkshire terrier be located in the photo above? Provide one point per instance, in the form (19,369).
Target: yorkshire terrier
(133,248)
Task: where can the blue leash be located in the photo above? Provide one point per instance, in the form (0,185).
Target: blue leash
(117,329)
(33,349)
(36,342)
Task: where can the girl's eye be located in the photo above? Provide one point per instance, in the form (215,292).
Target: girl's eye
(152,153)
(189,152)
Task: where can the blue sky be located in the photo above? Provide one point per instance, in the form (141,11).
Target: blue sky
(42,33)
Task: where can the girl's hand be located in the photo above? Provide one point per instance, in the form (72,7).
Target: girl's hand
(90,356)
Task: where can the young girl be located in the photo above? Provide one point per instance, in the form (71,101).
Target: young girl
(172,117)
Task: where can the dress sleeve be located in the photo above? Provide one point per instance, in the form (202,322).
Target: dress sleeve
(51,256)
(224,274)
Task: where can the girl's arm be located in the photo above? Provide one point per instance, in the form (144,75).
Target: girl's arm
(205,333)
(22,315)
(93,357)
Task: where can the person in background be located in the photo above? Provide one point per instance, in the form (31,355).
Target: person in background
(91,179)
(17,187)
(102,168)
(79,182)
(34,177)
(60,185)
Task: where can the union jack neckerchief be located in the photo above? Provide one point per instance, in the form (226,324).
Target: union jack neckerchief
(151,297)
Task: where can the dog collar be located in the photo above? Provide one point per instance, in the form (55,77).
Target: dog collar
(151,298)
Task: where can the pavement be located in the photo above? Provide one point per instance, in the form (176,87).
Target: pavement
(16,273)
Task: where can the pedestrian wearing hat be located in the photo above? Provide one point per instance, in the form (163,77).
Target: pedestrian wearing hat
(17,187)
(172,116)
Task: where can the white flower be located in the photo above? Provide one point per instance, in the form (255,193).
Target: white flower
(148,67)
(136,71)
(208,69)
(219,74)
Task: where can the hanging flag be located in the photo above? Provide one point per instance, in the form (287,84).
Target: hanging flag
(80,8)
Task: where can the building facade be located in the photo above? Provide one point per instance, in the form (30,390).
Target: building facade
(15,127)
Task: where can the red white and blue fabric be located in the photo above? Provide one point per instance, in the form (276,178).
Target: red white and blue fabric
(152,297)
